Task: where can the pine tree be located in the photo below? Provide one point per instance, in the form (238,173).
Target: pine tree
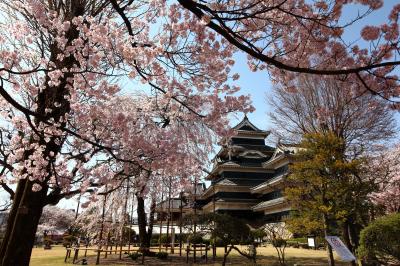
(322,186)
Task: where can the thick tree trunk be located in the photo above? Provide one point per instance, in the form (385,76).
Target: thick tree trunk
(151,223)
(145,235)
(346,238)
(10,221)
(354,233)
(141,221)
(227,251)
(17,249)
(27,204)
(331,260)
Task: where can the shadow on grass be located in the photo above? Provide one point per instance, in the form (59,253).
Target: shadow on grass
(299,261)
(234,260)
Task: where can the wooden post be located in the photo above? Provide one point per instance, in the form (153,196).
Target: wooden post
(75,255)
(169,211)
(187,254)
(107,244)
(130,226)
(98,257)
(195,217)
(194,253)
(66,255)
(214,246)
(121,238)
(161,222)
(180,225)
(172,240)
(206,252)
(102,228)
(87,244)
(143,255)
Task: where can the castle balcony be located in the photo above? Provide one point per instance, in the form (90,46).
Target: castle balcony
(269,186)
(229,205)
(272,206)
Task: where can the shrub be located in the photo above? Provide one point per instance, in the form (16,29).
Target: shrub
(135,255)
(162,255)
(164,239)
(380,241)
(278,242)
(206,241)
(195,239)
(218,242)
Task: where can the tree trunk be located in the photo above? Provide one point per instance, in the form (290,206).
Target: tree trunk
(151,222)
(21,228)
(354,233)
(145,235)
(331,260)
(28,205)
(346,238)
(226,254)
(10,220)
(141,221)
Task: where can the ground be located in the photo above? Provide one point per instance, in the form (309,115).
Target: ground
(266,256)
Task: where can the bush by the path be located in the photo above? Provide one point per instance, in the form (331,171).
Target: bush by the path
(380,241)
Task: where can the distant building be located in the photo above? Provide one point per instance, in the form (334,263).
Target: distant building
(179,205)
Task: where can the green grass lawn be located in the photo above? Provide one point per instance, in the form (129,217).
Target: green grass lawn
(265,256)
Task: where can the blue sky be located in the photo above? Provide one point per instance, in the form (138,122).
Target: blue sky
(258,84)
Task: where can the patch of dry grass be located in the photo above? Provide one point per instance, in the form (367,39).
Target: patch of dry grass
(265,256)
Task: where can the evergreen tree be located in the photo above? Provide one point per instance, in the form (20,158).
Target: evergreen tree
(324,188)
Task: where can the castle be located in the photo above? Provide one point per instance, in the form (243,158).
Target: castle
(246,179)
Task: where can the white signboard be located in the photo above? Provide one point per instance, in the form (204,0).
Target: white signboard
(340,248)
(311,242)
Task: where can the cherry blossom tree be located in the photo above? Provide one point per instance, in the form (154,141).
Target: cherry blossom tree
(293,36)
(65,130)
(387,167)
(103,216)
(55,220)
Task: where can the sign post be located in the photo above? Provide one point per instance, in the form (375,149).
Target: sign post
(340,248)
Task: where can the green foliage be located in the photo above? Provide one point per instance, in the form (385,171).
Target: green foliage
(218,242)
(162,255)
(195,238)
(165,239)
(298,240)
(227,229)
(126,232)
(155,238)
(258,233)
(230,230)
(183,236)
(206,241)
(319,174)
(134,255)
(305,223)
(278,242)
(380,240)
